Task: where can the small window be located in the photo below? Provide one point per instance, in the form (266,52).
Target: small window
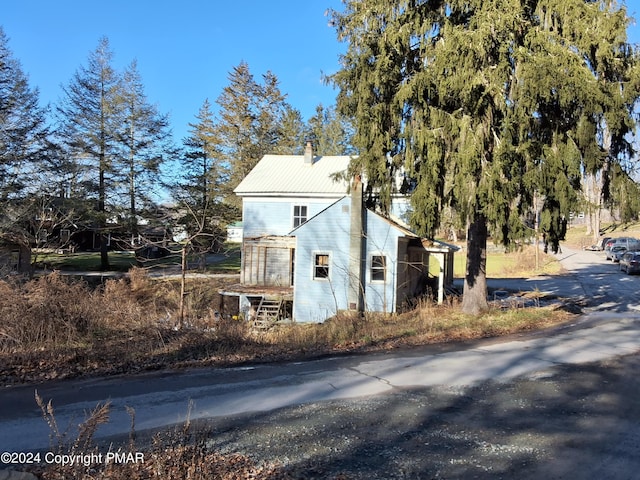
(378,268)
(321,266)
(299,215)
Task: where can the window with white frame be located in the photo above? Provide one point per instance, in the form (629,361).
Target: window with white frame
(321,266)
(378,268)
(299,215)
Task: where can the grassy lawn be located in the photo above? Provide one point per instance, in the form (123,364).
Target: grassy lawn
(513,265)
(84,261)
(577,235)
(499,264)
(507,265)
(227,261)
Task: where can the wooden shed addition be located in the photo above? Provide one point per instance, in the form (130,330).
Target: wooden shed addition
(268,261)
(265,290)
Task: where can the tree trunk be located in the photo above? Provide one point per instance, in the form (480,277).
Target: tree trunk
(474,298)
(102,223)
(593,191)
(183,283)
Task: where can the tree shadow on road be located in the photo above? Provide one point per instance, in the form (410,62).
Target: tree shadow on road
(569,422)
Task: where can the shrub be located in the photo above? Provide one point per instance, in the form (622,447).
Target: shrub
(47,311)
(136,301)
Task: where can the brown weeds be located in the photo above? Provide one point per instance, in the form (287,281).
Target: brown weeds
(179,453)
(53,328)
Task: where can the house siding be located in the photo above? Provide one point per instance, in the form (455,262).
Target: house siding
(274,216)
(382,239)
(316,300)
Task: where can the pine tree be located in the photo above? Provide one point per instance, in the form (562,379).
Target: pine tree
(291,136)
(90,116)
(254,119)
(145,141)
(23,130)
(482,103)
(201,188)
(237,123)
(199,193)
(23,151)
(331,132)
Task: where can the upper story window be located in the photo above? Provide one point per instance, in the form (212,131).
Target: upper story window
(299,215)
(378,268)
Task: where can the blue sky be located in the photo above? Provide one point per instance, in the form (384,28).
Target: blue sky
(185,49)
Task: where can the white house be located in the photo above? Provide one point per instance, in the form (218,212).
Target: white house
(312,249)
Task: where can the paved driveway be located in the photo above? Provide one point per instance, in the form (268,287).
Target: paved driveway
(597,282)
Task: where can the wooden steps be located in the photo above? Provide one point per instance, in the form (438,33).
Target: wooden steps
(267,314)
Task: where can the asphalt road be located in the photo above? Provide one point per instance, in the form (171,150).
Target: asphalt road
(608,331)
(591,278)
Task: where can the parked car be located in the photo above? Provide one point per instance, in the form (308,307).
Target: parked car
(616,252)
(629,243)
(630,263)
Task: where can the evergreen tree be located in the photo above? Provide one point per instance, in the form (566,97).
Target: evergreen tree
(331,132)
(90,116)
(253,120)
(616,72)
(23,130)
(23,149)
(488,105)
(145,141)
(201,188)
(291,137)
(237,123)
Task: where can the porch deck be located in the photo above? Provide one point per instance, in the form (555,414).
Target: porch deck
(265,291)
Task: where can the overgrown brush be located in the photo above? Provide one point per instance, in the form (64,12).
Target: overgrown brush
(54,311)
(426,323)
(137,301)
(47,312)
(52,327)
(181,453)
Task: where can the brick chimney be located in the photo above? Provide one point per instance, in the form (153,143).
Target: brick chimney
(308,153)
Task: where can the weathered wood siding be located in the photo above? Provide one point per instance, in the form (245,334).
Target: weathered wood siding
(14,258)
(268,261)
(413,271)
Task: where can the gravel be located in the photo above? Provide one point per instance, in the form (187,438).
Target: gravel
(567,422)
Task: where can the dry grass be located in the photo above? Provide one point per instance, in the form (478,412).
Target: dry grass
(426,324)
(53,328)
(180,453)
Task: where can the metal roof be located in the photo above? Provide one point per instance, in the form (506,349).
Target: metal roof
(289,174)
